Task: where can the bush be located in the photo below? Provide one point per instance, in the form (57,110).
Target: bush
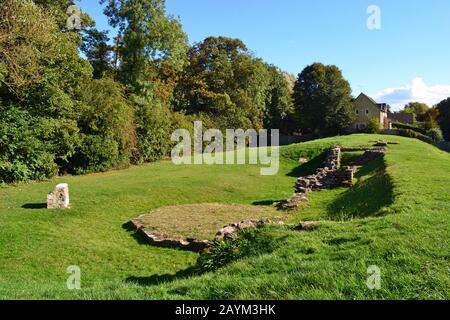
(435,134)
(373,126)
(107,127)
(23,156)
(153,125)
(398,125)
(250,242)
(413,134)
(95,154)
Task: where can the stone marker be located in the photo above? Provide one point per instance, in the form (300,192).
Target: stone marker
(59,198)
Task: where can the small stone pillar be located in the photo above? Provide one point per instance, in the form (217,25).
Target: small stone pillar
(59,198)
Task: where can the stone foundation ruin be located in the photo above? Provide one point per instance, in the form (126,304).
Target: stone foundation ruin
(228,232)
(332,175)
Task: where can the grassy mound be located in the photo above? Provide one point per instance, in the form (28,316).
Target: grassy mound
(202,221)
(396,217)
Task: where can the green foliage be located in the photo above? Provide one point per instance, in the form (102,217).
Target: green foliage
(429,118)
(373,125)
(399,125)
(249,243)
(23,156)
(107,127)
(96,153)
(417,108)
(435,134)
(153,126)
(322,99)
(444,118)
(97,50)
(226,82)
(279,104)
(147,37)
(414,134)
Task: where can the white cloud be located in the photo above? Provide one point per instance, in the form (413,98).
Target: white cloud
(416,91)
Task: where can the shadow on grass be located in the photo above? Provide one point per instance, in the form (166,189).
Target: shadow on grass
(308,168)
(35,206)
(372,193)
(265,203)
(251,242)
(140,239)
(165,278)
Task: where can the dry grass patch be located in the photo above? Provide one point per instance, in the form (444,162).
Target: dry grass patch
(202,221)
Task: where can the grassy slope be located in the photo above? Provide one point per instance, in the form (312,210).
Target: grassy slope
(402,226)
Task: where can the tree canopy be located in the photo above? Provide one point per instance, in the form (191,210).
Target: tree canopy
(418,108)
(322,100)
(444,117)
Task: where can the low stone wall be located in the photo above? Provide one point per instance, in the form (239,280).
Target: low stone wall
(159,240)
(332,175)
(228,232)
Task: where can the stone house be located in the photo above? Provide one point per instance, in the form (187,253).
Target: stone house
(366,108)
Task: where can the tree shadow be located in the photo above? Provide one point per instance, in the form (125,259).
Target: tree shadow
(34,206)
(372,193)
(308,168)
(249,243)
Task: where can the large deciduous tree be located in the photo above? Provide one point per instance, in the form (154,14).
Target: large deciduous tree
(322,99)
(444,118)
(147,39)
(224,81)
(418,108)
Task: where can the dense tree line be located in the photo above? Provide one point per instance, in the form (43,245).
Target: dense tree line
(78,101)
(118,102)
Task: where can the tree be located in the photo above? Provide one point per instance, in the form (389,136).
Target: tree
(147,38)
(223,80)
(279,105)
(429,118)
(97,50)
(322,99)
(444,118)
(417,108)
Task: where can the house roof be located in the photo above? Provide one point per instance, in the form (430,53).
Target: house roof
(382,106)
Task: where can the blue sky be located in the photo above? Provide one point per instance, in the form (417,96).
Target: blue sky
(408,59)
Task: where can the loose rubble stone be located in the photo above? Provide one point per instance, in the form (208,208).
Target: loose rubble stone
(59,198)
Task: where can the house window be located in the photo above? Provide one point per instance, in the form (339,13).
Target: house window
(367,111)
(357,111)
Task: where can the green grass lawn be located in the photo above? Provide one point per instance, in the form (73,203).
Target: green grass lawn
(396,217)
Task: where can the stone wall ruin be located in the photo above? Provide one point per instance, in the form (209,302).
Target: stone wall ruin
(332,175)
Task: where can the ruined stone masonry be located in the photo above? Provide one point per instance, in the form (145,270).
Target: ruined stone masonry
(59,198)
(226,233)
(332,175)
